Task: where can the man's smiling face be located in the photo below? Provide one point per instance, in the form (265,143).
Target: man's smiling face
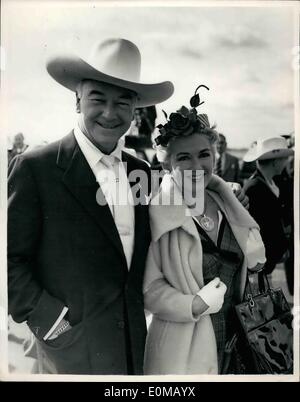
(106,112)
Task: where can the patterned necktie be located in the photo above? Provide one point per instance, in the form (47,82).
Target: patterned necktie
(218,169)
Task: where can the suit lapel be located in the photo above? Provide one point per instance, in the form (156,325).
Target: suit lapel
(140,214)
(137,207)
(81,182)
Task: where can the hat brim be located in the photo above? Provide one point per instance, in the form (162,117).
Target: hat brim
(252,155)
(69,71)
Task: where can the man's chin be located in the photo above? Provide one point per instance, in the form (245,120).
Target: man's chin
(107,133)
(105,141)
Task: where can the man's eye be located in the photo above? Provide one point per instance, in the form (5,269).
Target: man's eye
(123,103)
(205,155)
(97,100)
(182,158)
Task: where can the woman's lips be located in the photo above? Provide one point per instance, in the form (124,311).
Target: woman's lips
(197,176)
(196,179)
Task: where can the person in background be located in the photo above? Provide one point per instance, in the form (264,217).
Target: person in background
(271,156)
(227,165)
(145,119)
(75,264)
(285,183)
(247,169)
(18,148)
(199,255)
(139,136)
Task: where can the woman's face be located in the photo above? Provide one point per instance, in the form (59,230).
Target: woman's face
(193,153)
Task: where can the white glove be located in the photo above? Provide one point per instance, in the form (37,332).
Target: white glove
(213,295)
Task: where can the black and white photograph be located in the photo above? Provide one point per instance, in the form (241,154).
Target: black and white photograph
(149,191)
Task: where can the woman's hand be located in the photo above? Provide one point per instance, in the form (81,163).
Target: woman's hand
(242,197)
(239,193)
(210,298)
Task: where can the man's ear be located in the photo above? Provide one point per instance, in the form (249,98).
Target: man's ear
(78,108)
(135,101)
(133,110)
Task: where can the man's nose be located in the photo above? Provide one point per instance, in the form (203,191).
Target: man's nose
(196,165)
(108,111)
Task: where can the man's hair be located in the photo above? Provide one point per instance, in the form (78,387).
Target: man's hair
(79,89)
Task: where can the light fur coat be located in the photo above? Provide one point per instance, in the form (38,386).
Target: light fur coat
(177,342)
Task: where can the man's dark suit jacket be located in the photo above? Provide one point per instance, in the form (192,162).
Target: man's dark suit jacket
(231,169)
(266,209)
(64,250)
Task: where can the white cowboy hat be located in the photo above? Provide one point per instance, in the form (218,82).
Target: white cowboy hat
(114,61)
(271,148)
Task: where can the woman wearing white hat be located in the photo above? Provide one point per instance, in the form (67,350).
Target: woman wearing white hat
(271,156)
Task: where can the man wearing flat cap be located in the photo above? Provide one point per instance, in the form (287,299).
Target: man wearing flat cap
(76,265)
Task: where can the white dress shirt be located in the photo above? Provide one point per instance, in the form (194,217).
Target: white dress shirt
(110,173)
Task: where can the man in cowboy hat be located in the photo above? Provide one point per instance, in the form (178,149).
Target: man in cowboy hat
(271,156)
(76,265)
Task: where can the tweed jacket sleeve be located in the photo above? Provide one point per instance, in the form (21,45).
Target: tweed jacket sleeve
(28,301)
(160,297)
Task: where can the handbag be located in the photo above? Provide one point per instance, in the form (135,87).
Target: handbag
(266,322)
(238,358)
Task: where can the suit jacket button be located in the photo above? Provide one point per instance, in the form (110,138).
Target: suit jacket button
(121,324)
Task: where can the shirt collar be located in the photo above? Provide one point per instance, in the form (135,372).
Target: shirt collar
(92,154)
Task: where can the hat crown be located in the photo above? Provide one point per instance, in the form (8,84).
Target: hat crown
(114,61)
(270,148)
(117,57)
(271,144)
